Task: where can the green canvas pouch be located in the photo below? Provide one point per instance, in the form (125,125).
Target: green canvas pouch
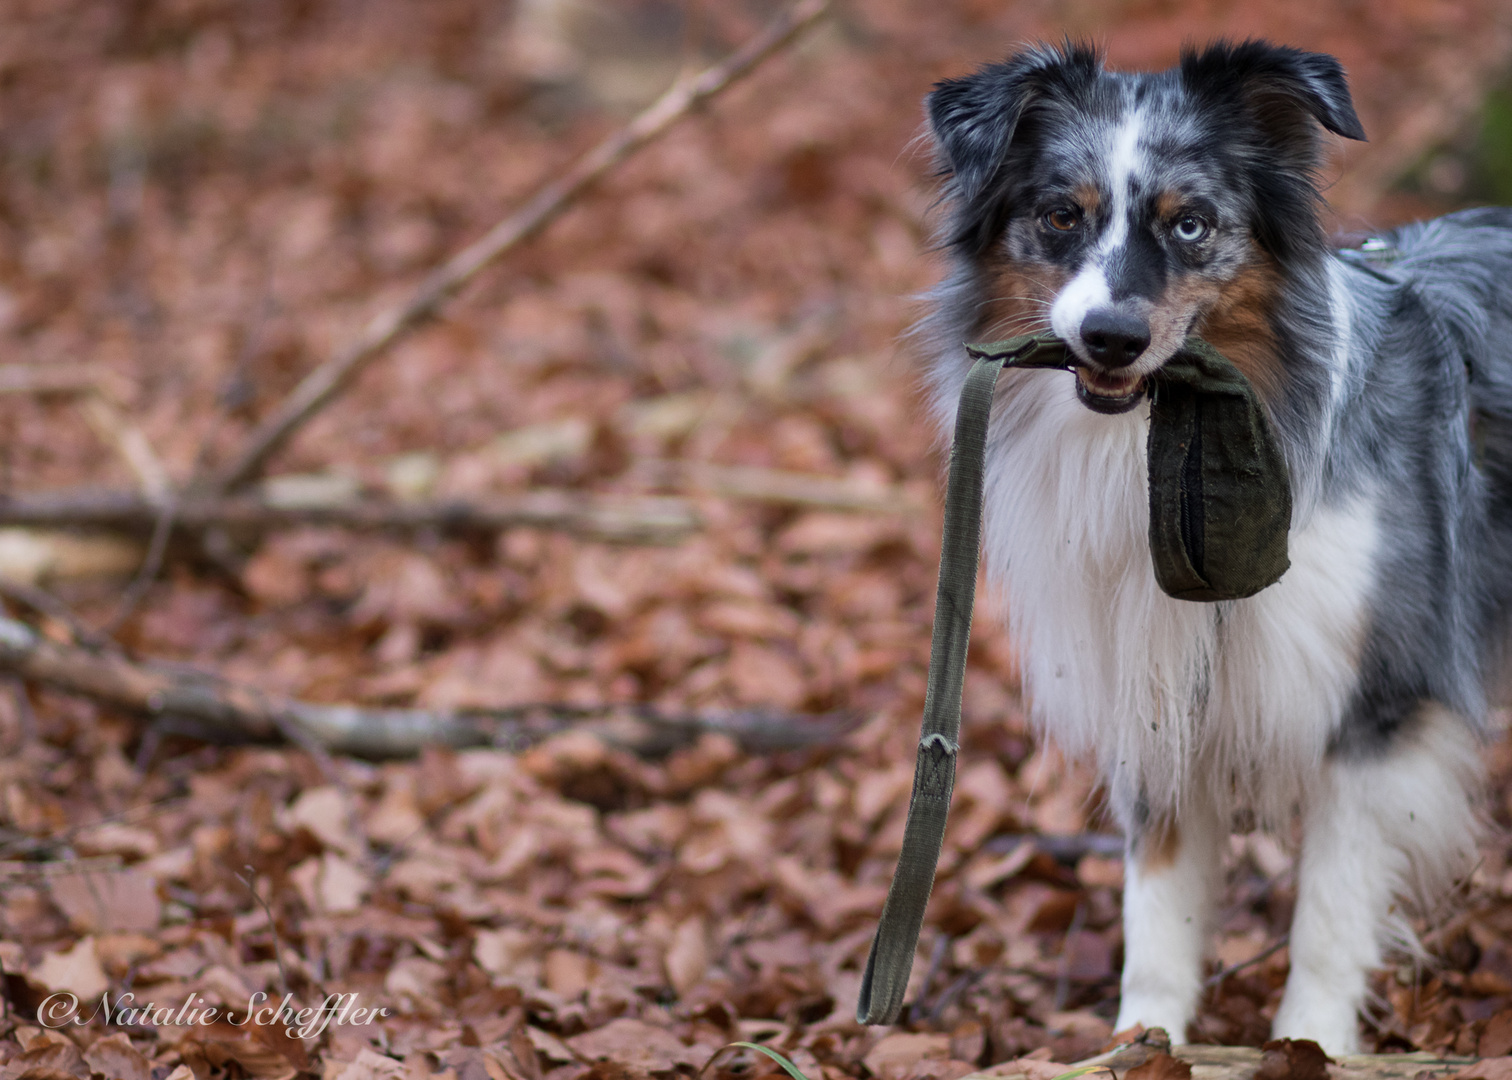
(1220,494)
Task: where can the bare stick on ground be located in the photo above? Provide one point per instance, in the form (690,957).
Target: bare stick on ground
(48,379)
(211,707)
(1245,1062)
(621,518)
(330,378)
(781,487)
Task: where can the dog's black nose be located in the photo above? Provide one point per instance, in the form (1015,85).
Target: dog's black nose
(1115,340)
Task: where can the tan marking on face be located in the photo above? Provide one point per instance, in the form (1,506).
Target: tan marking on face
(1238,326)
(1021,294)
(1158,847)
(1088,198)
(1233,316)
(1171,316)
(1168,204)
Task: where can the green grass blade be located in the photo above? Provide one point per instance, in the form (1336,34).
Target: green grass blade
(791,1069)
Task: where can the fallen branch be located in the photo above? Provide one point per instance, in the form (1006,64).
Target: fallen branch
(1067,848)
(208,706)
(1243,1063)
(322,385)
(48,379)
(620,518)
(778,486)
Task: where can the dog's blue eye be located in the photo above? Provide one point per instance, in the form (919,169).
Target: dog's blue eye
(1190,229)
(1063,219)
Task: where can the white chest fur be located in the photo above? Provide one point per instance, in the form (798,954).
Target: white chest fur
(1240,696)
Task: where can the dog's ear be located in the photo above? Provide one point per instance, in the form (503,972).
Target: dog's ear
(1280,86)
(973,118)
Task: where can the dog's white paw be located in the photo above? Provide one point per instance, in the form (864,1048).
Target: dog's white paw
(1327,1019)
(1154,1011)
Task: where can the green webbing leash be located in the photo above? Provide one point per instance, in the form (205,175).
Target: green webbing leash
(1220,508)
(892,950)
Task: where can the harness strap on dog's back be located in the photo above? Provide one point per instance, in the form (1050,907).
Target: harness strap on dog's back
(892,951)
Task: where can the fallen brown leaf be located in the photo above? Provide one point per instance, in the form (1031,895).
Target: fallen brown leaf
(1161,1066)
(1496,1039)
(635,1045)
(117,1059)
(1293,1059)
(48,1056)
(896,1055)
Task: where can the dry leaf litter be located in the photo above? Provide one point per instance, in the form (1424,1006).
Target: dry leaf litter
(204,198)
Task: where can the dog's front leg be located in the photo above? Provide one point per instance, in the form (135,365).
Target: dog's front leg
(1379,825)
(1345,883)
(1172,871)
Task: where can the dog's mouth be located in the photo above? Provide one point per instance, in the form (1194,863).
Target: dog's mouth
(1107,392)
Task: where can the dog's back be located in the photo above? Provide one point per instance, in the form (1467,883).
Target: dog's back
(1430,416)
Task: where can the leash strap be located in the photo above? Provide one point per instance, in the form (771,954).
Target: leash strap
(892,951)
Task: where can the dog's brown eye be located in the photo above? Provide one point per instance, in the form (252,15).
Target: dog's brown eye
(1063,219)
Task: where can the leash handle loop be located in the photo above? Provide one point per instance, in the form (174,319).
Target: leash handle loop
(892,952)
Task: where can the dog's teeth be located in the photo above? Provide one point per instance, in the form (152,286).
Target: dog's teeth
(1107,385)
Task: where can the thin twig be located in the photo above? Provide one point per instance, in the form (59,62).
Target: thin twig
(114,429)
(85,384)
(26,716)
(147,748)
(1063,968)
(323,384)
(1217,979)
(14,843)
(152,565)
(958,986)
(169,502)
(111,425)
(45,603)
(936,961)
(251,883)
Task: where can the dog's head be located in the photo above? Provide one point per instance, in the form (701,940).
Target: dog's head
(1125,211)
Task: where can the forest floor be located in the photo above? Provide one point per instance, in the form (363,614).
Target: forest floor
(203,199)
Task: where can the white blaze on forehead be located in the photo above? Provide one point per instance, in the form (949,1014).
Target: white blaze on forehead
(1089,289)
(1124,160)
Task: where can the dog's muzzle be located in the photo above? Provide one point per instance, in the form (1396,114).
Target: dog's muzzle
(1112,340)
